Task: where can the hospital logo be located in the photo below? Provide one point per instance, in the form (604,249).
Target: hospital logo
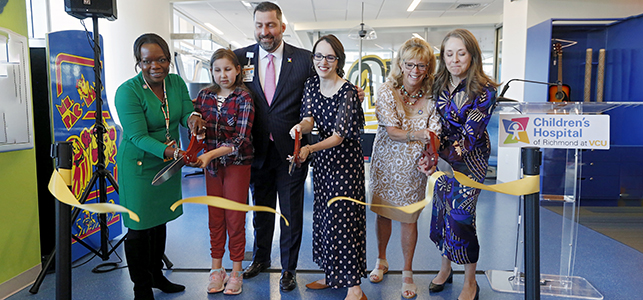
(516,130)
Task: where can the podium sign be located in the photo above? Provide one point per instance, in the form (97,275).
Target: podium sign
(564,125)
(555,131)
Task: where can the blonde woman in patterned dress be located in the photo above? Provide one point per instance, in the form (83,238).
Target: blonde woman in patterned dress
(406,115)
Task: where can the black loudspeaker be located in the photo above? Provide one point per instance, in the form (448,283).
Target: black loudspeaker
(89,8)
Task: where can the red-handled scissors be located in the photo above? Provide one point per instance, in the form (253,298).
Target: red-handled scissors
(190,156)
(295,162)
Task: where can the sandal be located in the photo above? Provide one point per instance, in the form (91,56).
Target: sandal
(377,274)
(408,289)
(235,284)
(218,278)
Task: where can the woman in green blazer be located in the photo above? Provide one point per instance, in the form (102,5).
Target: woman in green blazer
(150,107)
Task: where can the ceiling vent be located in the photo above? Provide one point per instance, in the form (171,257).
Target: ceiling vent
(468,6)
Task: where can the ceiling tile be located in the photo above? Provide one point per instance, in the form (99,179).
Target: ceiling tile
(425,14)
(433,6)
(236,20)
(330,15)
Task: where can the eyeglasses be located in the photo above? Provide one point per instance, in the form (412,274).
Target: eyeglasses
(161,61)
(329,58)
(409,66)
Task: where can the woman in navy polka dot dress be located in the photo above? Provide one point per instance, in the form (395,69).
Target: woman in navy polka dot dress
(339,231)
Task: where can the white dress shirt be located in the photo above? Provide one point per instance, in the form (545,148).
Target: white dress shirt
(276,60)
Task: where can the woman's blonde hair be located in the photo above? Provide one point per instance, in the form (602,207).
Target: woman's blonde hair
(413,48)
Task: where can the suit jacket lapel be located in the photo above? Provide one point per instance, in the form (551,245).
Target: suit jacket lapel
(255,80)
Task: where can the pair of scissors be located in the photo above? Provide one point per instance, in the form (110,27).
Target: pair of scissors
(295,162)
(431,152)
(190,156)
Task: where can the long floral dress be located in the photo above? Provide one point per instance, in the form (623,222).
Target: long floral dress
(395,179)
(465,145)
(339,231)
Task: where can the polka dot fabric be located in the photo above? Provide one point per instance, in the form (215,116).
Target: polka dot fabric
(339,231)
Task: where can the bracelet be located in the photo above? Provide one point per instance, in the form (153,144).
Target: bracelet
(176,153)
(195,113)
(408,136)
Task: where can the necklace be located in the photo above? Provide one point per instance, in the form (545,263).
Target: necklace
(411,99)
(452,83)
(165,108)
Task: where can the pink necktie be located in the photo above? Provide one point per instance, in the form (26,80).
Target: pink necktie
(269,85)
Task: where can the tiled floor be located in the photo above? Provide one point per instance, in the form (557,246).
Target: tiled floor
(612,267)
(622,223)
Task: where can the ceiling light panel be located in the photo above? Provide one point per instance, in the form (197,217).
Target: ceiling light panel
(413,5)
(216,30)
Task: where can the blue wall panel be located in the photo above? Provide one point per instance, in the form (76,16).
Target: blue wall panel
(574,57)
(623,42)
(537,62)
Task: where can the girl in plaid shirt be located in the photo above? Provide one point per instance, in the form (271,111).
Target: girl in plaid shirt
(227,108)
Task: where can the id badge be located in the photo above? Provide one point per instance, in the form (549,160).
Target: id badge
(248,73)
(171,143)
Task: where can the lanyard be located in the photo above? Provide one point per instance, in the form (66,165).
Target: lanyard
(220,101)
(166,110)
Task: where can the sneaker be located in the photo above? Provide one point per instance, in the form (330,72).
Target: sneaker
(218,278)
(235,284)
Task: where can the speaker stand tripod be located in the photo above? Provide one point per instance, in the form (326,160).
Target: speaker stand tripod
(63,152)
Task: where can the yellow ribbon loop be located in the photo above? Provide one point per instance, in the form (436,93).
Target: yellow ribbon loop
(225,204)
(525,186)
(59,189)
(409,209)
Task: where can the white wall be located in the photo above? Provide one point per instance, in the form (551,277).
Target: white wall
(541,10)
(514,43)
(134,18)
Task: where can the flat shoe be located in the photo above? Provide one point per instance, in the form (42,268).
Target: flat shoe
(166,286)
(287,282)
(316,286)
(255,268)
(379,273)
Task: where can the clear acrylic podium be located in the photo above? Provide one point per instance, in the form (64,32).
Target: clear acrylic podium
(564,284)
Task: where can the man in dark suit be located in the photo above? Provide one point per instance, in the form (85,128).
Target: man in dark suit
(274,117)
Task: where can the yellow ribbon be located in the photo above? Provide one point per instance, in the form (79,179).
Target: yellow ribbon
(409,209)
(525,186)
(59,189)
(226,204)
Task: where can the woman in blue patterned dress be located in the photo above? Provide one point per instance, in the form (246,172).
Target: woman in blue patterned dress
(466,98)
(339,231)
